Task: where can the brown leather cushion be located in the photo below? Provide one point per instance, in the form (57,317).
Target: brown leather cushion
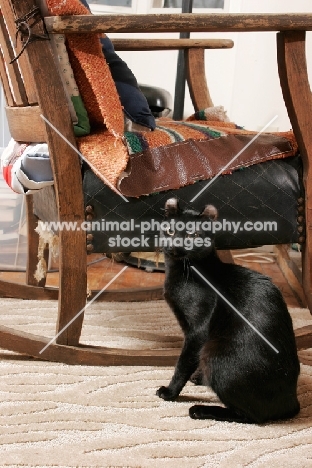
(268,192)
(211,150)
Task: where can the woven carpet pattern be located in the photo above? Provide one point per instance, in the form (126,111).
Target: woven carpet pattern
(55,415)
(170,131)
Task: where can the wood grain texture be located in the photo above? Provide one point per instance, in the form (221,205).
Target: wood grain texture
(32,345)
(26,343)
(287,267)
(14,74)
(14,290)
(23,63)
(170,44)
(67,178)
(186,22)
(304,337)
(292,66)
(18,121)
(45,205)
(196,79)
(5,82)
(10,289)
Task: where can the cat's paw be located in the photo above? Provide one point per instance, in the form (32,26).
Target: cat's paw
(197,378)
(196,412)
(165,393)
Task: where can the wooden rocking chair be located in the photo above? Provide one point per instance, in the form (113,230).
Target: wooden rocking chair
(33,87)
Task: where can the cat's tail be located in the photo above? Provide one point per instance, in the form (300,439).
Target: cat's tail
(218,413)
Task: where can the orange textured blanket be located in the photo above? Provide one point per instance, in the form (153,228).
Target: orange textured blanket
(100,97)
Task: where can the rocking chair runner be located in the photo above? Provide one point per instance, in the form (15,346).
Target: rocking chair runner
(38,89)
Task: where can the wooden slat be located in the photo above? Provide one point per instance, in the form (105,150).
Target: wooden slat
(32,345)
(196,78)
(16,81)
(25,124)
(286,266)
(304,337)
(171,44)
(27,75)
(5,82)
(45,205)
(305,359)
(188,22)
(9,289)
(292,66)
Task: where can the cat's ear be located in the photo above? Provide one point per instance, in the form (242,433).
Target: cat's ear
(210,211)
(171,207)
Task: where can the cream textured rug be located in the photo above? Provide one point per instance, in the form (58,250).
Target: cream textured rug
(54,415)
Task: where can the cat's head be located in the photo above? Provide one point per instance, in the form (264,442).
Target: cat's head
(187,233)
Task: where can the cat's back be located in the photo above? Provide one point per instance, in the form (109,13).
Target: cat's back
(250,292)
(246,287)
(250,306)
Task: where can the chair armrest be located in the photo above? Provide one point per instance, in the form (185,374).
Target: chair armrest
(186,22)
(170,44)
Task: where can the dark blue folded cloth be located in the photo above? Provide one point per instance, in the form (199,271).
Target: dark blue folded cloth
(132,99)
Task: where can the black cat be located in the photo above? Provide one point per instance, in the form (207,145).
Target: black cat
(238,332)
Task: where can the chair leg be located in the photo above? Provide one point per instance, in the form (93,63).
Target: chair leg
(291,272)
(72,277)
(72,287)
(307,273)
(292,67)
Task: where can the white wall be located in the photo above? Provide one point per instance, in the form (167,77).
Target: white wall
(244,79)
(256,93)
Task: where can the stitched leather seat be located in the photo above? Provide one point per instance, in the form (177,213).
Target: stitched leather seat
(269,191)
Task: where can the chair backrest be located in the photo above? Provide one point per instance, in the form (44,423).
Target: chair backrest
(30,122)
(17,80)
(34,90)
